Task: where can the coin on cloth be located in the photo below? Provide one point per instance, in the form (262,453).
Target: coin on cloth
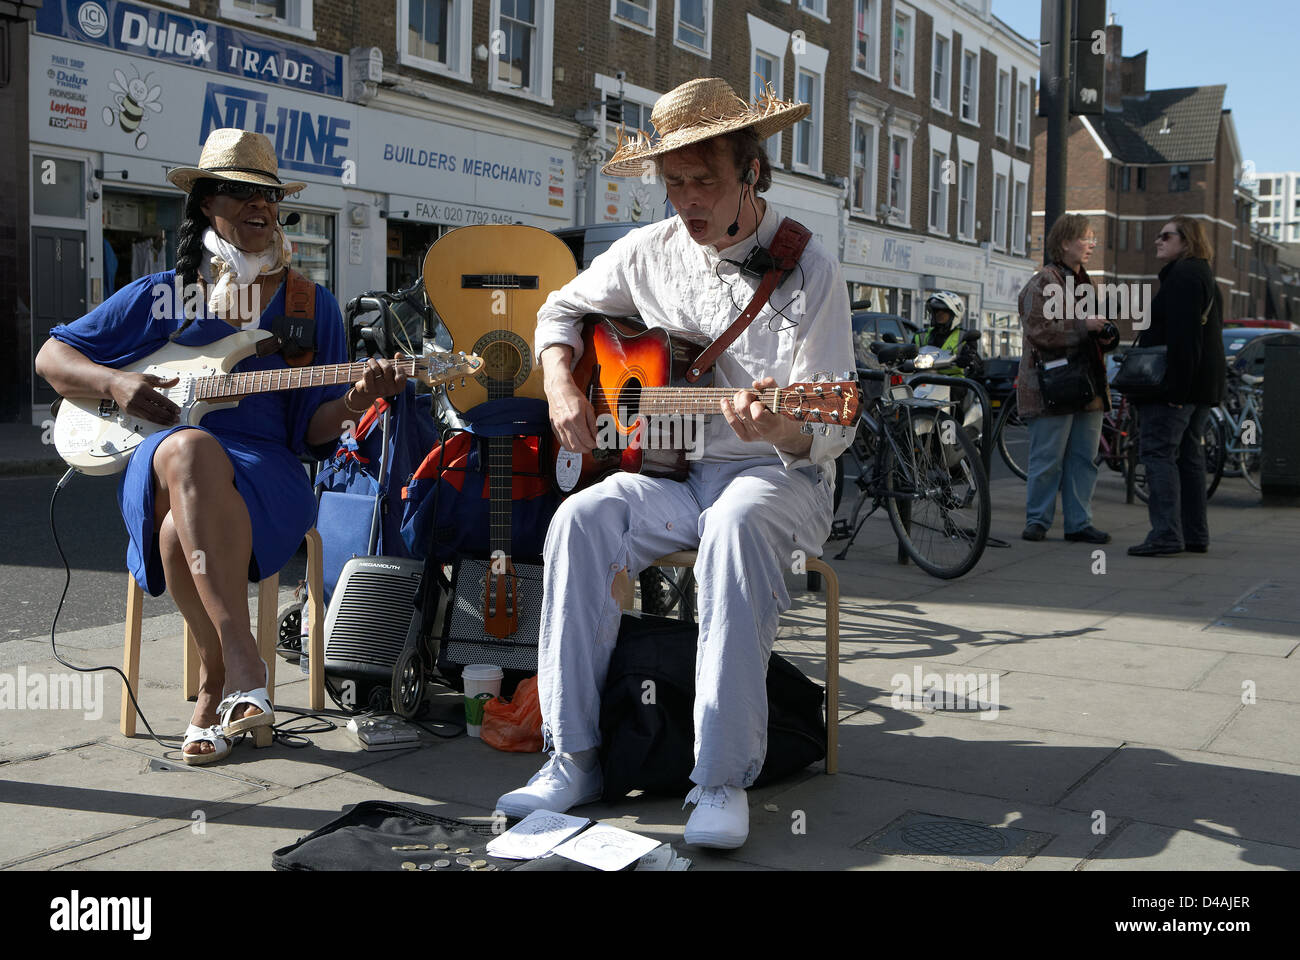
(408,865)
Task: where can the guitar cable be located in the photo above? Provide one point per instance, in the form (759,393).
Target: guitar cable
(282,733)
(776,311)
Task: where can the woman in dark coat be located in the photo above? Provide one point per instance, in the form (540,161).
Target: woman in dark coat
(1186,316)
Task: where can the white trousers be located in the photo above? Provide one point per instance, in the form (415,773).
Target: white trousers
(747,519)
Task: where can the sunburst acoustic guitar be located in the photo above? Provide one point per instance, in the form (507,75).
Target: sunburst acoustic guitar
(487,284)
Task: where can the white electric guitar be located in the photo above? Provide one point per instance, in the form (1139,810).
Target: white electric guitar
(97,437)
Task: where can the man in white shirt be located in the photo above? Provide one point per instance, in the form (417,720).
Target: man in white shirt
(760,489)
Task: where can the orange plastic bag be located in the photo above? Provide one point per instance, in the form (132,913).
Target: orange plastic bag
(515,725)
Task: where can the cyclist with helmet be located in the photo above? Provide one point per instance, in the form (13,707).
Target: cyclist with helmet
(944,311)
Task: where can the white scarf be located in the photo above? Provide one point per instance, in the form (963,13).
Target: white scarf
(230,297)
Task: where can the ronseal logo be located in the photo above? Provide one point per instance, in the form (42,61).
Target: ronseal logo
(93,20)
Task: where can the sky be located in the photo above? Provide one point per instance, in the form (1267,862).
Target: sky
(1248,44)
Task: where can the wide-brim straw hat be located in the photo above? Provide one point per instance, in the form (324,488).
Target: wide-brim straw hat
(700,110)
(234,154)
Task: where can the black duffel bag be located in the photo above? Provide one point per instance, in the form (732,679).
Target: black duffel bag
(646,713)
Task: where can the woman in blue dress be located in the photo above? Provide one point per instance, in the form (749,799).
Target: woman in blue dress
(209,508)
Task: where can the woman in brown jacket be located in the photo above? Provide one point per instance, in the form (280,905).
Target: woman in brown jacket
(1063,438)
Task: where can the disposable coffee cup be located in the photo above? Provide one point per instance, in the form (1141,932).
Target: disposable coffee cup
(482,683)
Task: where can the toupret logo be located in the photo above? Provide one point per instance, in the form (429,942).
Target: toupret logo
(75,913)
(92,19)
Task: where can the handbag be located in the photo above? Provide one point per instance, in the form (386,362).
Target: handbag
(1066,384)
(1142,373)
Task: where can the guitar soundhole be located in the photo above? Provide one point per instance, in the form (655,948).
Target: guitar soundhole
(629,402)
(506,358)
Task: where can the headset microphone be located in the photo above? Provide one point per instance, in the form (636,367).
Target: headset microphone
(748,180)
(290,220)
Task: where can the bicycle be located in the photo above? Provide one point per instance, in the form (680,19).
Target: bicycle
(1241,418)
(1011,436)
(913,458)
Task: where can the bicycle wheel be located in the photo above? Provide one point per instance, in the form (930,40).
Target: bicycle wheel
(1252,459)
(936,468)
(1013,438)
(1215,442)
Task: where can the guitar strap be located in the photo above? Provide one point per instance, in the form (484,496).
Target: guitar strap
(774,264)
(295,332)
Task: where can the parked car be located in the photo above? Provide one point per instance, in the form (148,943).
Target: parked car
(590,241)
(1244,347)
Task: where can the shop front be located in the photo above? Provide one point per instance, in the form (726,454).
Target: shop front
(121,92)
(111,113)
(895,273)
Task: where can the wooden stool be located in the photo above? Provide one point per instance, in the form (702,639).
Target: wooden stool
(268,632)
(686,558)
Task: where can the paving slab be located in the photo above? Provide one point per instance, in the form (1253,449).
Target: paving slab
(1193,636)
(1146,846)
(842,812)
(78,795)
(1267,678)
(1113,711)
(993,758)
(1236,798)
(1097,658)
(1253,732)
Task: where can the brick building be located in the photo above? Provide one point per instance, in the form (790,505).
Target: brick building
(408,118)
(1152,155)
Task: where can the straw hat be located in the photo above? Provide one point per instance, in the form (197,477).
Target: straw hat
(700,110)
(234,154)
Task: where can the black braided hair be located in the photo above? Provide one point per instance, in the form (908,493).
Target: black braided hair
(189,241)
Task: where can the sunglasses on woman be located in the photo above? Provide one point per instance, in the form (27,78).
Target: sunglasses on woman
(1167,234)
(247,191)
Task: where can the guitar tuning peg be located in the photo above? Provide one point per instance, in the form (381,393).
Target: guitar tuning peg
(822,376)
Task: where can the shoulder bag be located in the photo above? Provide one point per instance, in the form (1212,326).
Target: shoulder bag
(1142,373)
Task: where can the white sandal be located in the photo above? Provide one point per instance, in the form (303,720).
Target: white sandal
(258,698)
(214,735)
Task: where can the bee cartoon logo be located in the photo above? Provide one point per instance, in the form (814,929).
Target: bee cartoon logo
(133,97)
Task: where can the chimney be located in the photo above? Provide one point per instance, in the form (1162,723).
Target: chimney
(1133,76)
(1114,63)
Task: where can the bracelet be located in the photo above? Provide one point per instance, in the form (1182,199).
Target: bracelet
(352,409)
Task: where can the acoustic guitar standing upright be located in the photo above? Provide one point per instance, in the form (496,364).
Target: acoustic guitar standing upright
(487,284)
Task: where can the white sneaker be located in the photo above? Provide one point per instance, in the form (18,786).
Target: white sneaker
(559,785)
(721,817)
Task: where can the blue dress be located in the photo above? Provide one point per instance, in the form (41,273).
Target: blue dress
(263,436)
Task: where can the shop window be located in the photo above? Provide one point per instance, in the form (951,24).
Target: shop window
(312,239)
(58,187)
(139,236)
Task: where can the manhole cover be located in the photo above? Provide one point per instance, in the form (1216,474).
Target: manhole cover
(953,838)
(944,839)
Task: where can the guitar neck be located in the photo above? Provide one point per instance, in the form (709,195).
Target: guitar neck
(695,401)
(500,478)
(231,385)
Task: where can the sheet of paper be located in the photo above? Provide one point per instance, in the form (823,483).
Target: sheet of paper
(606,848)
(535,834)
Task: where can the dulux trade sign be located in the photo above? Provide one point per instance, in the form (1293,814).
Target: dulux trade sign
(175,38)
